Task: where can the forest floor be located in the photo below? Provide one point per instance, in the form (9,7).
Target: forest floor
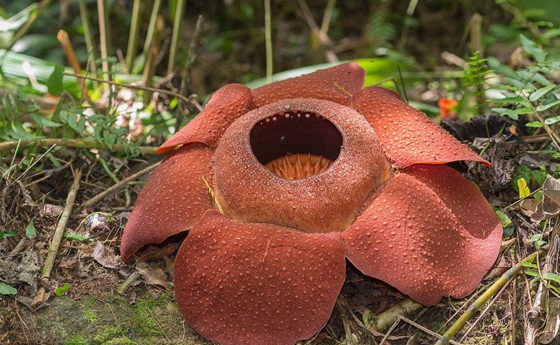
(92,297)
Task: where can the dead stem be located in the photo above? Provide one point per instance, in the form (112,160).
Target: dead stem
(473,308)
(57,237)
(131,279)
(117,186)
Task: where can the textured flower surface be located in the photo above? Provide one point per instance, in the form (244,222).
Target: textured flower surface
(279,185)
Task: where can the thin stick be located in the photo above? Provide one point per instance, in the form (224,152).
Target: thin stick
(424,329)
(134,87)
(57,238)
(119,185)
(327,17)
(191,55)
(268,41)
(535,313)
(476,305)
(482,314)
(75,143)
(18,248)
(59,232)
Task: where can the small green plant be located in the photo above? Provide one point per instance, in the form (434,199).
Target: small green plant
(475,79)
(6,289)
(62,290)
(529,91)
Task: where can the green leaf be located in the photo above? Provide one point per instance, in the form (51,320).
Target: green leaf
(541,79)
(528,264)
(552,120)
(532,273)
(54,83)
(503,218)
(549,105)
(20,132)
(61,290)
(109,139)
(30,231)
(534,124)
(532,48)
(44,122)
(4,235)
(6,289)
(541,92)
(524,190)
(552,276)
(76,237)
(538,195)
(516,99)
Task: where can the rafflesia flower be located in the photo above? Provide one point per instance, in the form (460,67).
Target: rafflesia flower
(279,185)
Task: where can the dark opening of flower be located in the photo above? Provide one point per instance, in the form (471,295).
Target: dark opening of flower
(309,172)
(295,144)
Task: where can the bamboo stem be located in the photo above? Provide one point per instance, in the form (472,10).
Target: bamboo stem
(479,302)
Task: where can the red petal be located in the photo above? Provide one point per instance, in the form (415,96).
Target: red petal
(429,233)
(255,283)
(224,107)
(407,135)
(336,84)
(173,199)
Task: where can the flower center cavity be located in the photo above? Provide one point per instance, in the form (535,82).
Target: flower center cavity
(295,144)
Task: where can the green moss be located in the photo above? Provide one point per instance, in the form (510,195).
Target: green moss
(108,333)
(76,340)
(120,341)
(143,322)
(90,316)
(154,319)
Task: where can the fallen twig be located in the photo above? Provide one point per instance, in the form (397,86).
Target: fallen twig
(57,237)
(476,305)
(389,316)
(131,279)
(18,248)
(118,185)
